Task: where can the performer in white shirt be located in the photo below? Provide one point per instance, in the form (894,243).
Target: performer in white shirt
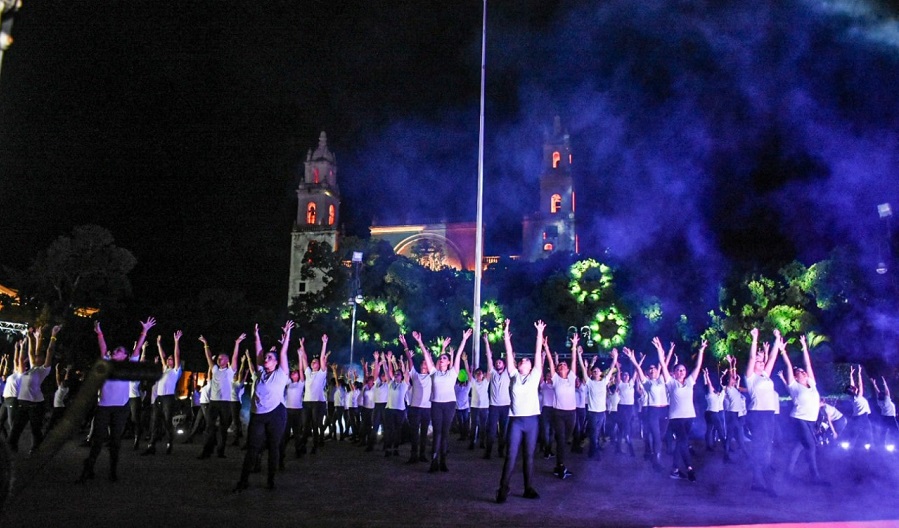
(804,416)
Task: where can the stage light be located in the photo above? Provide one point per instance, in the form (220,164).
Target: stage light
(891,448)
(180,431)
(867,447)
(844,445)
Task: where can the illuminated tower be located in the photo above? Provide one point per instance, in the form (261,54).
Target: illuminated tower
(552,229)
(318,210)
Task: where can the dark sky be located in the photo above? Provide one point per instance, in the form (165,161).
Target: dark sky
(706,134)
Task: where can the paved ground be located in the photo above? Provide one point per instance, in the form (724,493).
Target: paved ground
(342,485)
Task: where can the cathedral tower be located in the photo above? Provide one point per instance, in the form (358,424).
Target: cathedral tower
(318,214)
(552,228)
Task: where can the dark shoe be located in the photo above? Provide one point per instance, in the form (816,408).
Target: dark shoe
(531,493)
(113,475)
(270,484)
(678,475)
(412,460)
(241,485)
(422,458)
(443,466)
(691,475)
(136,444)
(222,455)
(434,466)
(386,454)
(502,494)
(87,473)
(486,455)
(204,456)
(396,452)
(471,446)
(149,451)
(168,448)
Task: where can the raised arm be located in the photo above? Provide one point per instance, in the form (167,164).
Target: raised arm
(489,355)
(507,340)
(101,341)
(424,351)
(538,355)
(323,359)
(663,362)
(789,364)
(861,383)
(161,351)
(285,345)
(466,335)
(806,356)
(886,388)
(206,351)
(613,366)
(549,356)
(699,357)
(753,351)
(574,355)
(48,358)
(177,360)
(772,357)
(145,327)
(302,360)
(638,369)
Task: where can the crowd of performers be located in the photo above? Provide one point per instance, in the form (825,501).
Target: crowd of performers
(524,407)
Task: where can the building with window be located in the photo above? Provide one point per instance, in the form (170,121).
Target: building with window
(552,228)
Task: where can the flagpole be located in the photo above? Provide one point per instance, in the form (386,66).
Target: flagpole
(479,235)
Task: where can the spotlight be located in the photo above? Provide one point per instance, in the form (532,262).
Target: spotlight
(881,268)
(891,448)
(844,445)
(180,431)
(867,447)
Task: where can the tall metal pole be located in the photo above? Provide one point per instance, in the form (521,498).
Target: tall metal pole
(479,236)
(353,333)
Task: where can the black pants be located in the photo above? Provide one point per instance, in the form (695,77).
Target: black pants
(217,436)
(8,415)
(714,423)
(805,435)
(546,428)
(442,419)
(478,425)
(624,419)
(597,422)
(377,420)
(135,406)
(497,424)
(314,413)
(109,425)
(656,424)
(162,410)
(236,407)
(734,425)
(28,413)
(463,418)
(366,428)
(265,430)
(680,427)
(419,419)
(761,423)
(523,432)
(201,417)
(294,425)
(563,422)
(393,426)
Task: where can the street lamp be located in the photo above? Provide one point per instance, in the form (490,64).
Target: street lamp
(355,298)
(584,331)
(886,213)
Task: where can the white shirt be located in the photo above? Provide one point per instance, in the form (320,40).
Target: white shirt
(626,392)
(420,395)
(204,393)
(714,401)
(580,396)
(887,407)
(547,394)
(368,397)
(479,394)
(381,390)
(733,399)
(680,397)
(564,387)
(396,395)
(463,392)
(220,384)
(268,390)
(59,397)
(612,402)
(352,399)
(315,385)
(656,392)
(293,395)
(832,412)
(11,389)
(237,388)
(499,388)
(524,399)
(597,392)
(168,382)
(30,384)
(339,396)
(762,396)
(806,401)
(114,393)
(443,385)
(860,405)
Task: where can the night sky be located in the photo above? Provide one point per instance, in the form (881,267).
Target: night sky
(707,136)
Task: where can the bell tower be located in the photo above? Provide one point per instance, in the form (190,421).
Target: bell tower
(318,213)
(552,227)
